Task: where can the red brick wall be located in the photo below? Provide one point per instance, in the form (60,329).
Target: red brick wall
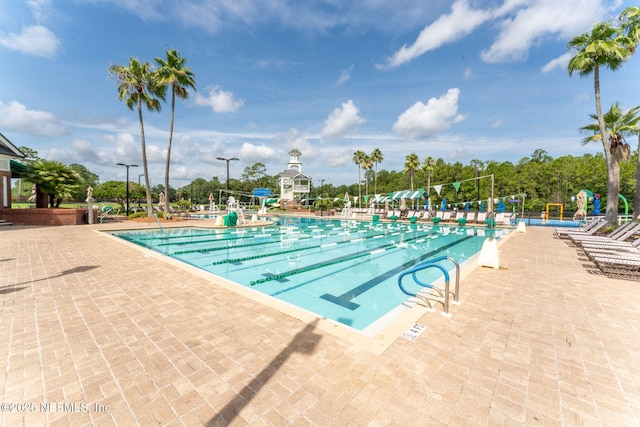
(46,216)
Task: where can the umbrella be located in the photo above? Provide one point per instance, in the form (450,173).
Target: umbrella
(403,204)
(481,206)
(444,204)
(346,200)
(501,207)
(581,200)
(466,206)
(489,205)
(596,205)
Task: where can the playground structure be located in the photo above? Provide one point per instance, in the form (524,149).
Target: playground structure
(560,205)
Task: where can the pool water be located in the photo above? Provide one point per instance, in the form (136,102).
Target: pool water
(342,270)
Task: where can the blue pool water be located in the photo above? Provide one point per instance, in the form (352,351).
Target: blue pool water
(342,270)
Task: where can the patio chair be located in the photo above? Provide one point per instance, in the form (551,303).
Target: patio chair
(481,218)
(619,267)
(589,232)
(471,217)
(108,212)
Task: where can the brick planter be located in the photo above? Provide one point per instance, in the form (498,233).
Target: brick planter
(47,216)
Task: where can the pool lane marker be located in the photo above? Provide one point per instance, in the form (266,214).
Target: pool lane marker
(252,257)
(333,261)
(345,300)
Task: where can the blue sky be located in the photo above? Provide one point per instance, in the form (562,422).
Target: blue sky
(459,79)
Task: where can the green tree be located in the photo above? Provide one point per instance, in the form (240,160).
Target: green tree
(601,48)
(89,179)
(411,165)
(30,154)
(139,85)
(376,157)
(172,72)
(617,125)
(367,165)
(358,158)
(53,179)
(630,19)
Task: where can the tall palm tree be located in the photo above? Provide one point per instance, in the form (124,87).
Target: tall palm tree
(376,157)
(411,165)
(428,167)
(358,158)
(617,124)
(630,18)
(601,47)
(138,85)
(367,165)
(172,72)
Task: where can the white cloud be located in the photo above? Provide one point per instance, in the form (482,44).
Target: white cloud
(250,153)
(459,153)
(446,29)
(422,121)
(39,8)
(540,20)
(560,62)
(33,40)
(15,117)
(468,73)
(219,100)
(342,120)
(345,76)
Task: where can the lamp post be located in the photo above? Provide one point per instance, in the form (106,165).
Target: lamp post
(227,160)
(139,176)
(127,166)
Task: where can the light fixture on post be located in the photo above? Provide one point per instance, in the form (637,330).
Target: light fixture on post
(227,160)
(127,166)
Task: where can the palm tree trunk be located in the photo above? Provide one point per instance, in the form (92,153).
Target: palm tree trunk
(375,181)
(144,162)
(613,168)
(359,187)
(166,170)
(636,199)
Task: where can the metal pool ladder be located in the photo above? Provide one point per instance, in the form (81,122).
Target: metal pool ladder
(442,297)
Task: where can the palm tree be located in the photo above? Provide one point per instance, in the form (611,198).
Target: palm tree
(601,47)
(53,179)
(630,18)
(358,158)
(138,85)
(172,72)
(367,165)
(428,167)
(617,124)
(376,157)
(411,166)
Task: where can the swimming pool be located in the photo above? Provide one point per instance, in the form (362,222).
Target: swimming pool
(342,270)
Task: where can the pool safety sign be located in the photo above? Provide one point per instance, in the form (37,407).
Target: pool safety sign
(413,332)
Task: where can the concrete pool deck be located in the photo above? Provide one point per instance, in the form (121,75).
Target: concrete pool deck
(96,332)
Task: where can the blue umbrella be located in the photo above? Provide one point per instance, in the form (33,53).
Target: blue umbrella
(482,206)
(501,207)
(466,206)
(426,205)
(444,204)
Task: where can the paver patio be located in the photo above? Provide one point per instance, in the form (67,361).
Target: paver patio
(131,339)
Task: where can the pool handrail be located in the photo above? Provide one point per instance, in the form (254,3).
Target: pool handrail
(433,263)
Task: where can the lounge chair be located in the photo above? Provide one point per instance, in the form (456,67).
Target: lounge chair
(621,233)
(621,267)
(108,212)
(481,218)
(586,227)
(593,224)
(471,216)
(589,232)
(446,216)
